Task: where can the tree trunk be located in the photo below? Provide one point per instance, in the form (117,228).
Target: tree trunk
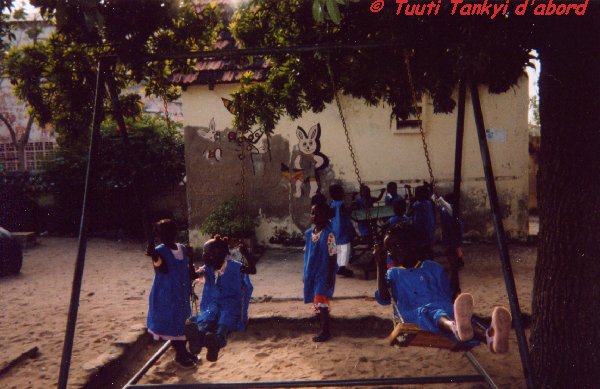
(565,336)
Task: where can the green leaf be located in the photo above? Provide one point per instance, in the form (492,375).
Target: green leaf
(333,11)
(317,11)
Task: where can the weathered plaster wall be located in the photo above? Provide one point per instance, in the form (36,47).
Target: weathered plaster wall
(383,154)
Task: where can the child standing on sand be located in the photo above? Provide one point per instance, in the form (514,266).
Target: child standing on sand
(170,294)
(320,266)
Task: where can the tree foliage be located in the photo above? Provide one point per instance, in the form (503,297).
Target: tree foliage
(57,77)
(441,50)
(155,145)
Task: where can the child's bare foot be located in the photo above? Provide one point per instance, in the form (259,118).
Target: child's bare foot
(463,311)
(497,334)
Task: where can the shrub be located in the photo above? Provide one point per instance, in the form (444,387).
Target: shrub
(228,220)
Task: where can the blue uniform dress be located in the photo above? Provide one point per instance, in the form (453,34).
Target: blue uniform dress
(452,229)
(422,294)
(424,220)
(317,250)
(341,224)
(363,225)
(225,298)
(389,200)
(170,297)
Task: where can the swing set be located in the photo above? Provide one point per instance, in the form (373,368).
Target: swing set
(404,334)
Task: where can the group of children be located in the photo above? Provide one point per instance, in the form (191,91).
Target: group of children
(406,275)
(225,297)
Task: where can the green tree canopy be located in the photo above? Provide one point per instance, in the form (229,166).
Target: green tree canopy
(57,77)
(442,50)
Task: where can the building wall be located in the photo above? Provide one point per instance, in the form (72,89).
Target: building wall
(383,154)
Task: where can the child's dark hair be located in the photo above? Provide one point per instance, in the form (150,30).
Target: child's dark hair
(399,208)
(366,190)
(166,230)
(391,186)
(319,198)
(422,192)
(336,191)
(325,208)
(218,247)
(408,237)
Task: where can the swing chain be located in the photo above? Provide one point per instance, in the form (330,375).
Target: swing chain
(413,91)
(349,142)
(339,106)
(242,157)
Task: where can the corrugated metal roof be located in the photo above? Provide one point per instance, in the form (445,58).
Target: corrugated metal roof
(222,71)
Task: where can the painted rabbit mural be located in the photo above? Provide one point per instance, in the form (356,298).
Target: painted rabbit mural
(307,162)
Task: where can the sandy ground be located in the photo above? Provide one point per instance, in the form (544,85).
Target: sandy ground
(116,283)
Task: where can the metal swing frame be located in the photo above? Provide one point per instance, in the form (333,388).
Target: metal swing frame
(105,79)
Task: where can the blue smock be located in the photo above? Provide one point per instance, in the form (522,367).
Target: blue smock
(316,264)
(225,299)
(341,223)
(452,229)
(389,200)
(422,294)
(169,303)
(424,220)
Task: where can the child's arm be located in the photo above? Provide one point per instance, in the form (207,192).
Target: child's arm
(157,261)
(250,266)
(382,286)
(332,259)
(378,198)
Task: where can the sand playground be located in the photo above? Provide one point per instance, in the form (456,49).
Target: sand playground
(110,339)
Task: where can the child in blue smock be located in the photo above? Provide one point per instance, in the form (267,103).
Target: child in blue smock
(342,229)
(392,195)
(320,266)
(422,293)
(365,201)
(169,304)
(225,299)
(423,215)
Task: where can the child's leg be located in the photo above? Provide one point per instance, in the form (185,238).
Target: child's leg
(461,326)
(215,342)
(182,356)
(195,334)
(321,305)
(343,257)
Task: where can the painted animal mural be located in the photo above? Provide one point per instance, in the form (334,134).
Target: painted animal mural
(307,163)
(255,143)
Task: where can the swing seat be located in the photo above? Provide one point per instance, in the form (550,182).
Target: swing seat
(409,334)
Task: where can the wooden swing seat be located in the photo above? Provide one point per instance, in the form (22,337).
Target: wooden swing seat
(409,334)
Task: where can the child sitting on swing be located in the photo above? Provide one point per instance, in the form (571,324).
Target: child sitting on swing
(169,302)
(225,298)
(422,292)
(365,201)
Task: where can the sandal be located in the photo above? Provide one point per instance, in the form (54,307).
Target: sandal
(463,312)
(497,335)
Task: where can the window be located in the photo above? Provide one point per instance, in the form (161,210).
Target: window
(36,153)
(411,125)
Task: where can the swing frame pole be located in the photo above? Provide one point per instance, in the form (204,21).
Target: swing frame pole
(458,150)
(501,235)
(97,115)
